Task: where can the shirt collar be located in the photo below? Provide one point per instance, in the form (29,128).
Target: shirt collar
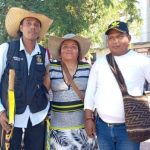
(34,52)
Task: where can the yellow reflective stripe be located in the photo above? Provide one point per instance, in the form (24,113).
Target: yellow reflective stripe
(67,106)
(84,65)
(11,107)
(55,65)
(67,128)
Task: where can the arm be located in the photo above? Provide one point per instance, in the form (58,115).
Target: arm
(146,69)
(89,123)
(3,59)
(89,102)
(47,78)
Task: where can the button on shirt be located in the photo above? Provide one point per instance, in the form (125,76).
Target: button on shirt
(21,120)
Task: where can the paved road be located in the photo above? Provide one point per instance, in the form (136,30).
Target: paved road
(145,145)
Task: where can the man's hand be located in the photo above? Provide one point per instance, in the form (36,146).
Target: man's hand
(90,127)
(4,122)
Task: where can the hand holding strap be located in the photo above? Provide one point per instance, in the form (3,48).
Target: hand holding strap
(78,92)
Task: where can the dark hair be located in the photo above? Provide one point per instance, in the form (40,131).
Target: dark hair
(79,49)
(20,34)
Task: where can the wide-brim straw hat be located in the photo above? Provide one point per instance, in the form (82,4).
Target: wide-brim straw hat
(54,43)
(15,15)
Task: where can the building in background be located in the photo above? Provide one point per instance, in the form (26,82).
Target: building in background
(144,37)
(142,43)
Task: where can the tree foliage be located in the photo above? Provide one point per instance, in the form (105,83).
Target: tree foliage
(86,17)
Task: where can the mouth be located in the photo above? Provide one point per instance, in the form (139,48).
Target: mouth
(116,46)
(34,33)
(69,53)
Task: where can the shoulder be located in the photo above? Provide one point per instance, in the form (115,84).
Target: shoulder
(55,64)
(4,48)
(14,41)
(136,54)
(100,60)
(82,64)
(139,57)
(14,45)
(99,64)
(42,49)
(4,45)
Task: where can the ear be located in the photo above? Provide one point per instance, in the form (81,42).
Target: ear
(129,37)
(20,27)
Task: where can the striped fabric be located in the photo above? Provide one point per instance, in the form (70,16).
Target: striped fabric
(67,109)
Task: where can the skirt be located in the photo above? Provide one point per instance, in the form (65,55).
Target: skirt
(75,139)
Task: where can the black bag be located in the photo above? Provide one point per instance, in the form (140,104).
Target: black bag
(137,108)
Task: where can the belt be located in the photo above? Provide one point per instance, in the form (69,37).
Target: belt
(111,124)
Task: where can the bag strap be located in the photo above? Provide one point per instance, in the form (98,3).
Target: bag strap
(117,73)
(74,86)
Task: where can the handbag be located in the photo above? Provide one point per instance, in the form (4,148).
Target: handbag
(75,88)
(137,108)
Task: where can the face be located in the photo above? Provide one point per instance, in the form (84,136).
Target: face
(118,42)
(30,28)
(69,50)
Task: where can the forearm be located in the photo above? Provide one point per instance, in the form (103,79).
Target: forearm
(88,114)
(1,106)
(89,123)
(47,81)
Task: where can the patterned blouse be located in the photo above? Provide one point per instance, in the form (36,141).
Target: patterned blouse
(67,108)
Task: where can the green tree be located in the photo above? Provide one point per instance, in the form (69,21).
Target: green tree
(86,17)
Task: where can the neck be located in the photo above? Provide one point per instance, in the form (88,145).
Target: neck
(120,53)
(70,64)
(29,45)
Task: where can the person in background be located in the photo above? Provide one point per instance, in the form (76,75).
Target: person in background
(104,94)
(67,115)
(28,59)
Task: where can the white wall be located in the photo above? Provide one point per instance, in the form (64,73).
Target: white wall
(144,6)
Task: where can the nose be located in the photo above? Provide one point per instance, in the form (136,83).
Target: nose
(69,48)
(116,40)
(33,25)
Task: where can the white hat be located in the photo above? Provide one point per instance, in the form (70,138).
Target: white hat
(54,43)
(15,15)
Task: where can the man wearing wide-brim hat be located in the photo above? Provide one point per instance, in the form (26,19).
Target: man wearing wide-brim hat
(28,59)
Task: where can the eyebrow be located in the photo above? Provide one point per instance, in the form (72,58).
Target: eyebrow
(71,44)
(30,19)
